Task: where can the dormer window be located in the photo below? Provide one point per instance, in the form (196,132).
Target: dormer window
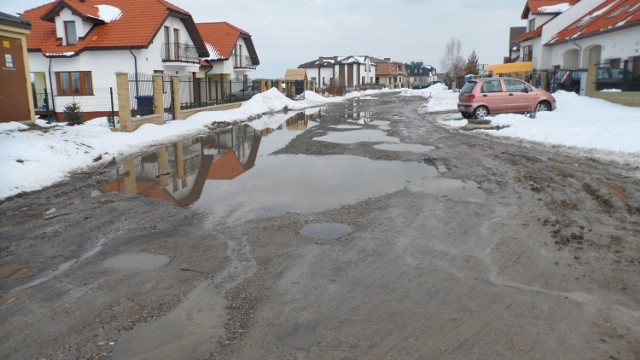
(532,24)
(70,33)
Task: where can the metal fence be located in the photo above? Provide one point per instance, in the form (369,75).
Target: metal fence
(102,101)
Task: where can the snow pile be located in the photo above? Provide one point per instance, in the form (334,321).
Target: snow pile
(588,126)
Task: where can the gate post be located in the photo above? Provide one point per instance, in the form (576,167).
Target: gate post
(590,86)
(158,98)
(124,101)
(175,89)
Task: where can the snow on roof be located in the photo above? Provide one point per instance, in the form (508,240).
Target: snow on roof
(108,13)
(590,17)
(213,53)
(554,9)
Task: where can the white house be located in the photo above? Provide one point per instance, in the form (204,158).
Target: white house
(232,61)
(575,34)
(76,46)
(350,71)
(607,34)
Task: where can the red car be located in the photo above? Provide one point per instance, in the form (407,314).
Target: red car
(480,97)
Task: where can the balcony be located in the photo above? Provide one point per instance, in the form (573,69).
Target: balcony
(244,63)
(180,53)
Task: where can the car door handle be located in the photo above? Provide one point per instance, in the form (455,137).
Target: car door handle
(484,95)
(510,94)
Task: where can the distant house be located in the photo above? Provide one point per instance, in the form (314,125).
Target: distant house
(390,73)
(346,71)
(232,58)
(419,74)
(16,99)
(76,46)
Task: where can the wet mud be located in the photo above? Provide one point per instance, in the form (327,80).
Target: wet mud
(365,230)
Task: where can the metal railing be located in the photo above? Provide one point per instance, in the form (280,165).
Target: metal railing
(180,52)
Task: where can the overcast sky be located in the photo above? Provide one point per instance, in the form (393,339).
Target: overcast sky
(287,33)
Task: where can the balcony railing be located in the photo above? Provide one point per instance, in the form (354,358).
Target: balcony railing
(178,52)
(244,63)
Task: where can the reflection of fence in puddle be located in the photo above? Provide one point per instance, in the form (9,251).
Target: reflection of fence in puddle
(297,122)
(177,172)
(354,112)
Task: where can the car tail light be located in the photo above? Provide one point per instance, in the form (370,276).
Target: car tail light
(471,96)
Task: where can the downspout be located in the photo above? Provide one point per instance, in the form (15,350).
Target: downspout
(206,79)
(135,67)
(53,102)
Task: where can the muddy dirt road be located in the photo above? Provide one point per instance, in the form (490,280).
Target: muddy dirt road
(465,247)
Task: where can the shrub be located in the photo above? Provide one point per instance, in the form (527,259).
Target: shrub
(73,114)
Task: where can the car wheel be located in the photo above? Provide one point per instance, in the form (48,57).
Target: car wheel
(543,106)
(481,112)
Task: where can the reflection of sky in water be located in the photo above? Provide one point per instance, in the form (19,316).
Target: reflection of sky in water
(298,183)
(357,136)
(404,147)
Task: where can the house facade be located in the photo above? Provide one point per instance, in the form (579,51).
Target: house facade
(346,71)
(576,34)
(76,47)
(390,73)
(419,74)
(232,59)
(606,34)
(16,98)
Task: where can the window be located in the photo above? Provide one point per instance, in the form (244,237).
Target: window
(532,24)
(70,35)
(527,53)
(516,86)
(490,86)
(176,44)
(74,83)
(167,41)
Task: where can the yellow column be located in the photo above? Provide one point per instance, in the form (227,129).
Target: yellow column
(175,82)
(158,96)
(124,102)
(590,86)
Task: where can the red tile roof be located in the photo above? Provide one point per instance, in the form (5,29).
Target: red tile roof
(538,7)
(530,35)
(221,35)
(135,28)
(611,15)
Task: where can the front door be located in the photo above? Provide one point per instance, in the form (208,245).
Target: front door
(14,96)
(520,96)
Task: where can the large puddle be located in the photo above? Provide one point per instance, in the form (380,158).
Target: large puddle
(232,175)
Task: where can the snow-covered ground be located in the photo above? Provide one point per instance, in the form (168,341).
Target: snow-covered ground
(32,159)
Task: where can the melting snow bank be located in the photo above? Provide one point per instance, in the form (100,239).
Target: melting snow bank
(586,126)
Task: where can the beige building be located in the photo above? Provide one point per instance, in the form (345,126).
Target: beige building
(16,99)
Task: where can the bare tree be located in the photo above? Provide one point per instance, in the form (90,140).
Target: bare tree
(452,61)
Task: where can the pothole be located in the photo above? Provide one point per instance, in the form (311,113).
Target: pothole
(137,261)
(325,230)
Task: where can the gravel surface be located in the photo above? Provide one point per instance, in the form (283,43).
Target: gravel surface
(544,265)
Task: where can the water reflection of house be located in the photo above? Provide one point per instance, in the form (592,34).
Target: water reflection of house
(177,173)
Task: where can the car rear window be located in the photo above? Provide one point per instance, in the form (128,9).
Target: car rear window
(468,87)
